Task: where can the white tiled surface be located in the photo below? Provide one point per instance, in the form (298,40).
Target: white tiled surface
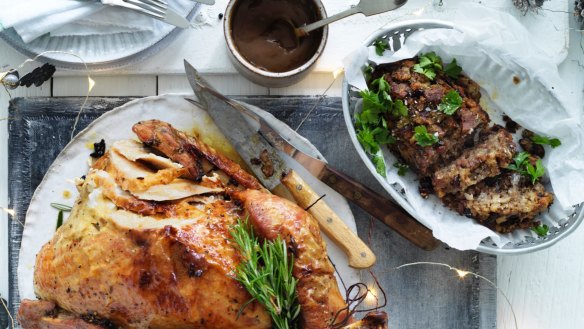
(546,288)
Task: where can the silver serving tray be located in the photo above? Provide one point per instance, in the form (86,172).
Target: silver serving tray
(397,34)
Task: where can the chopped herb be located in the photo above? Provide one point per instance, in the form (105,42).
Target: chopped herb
(379,163)
(452,69)
(382,85)
(367,71)
(98,149)
(399,109)
(382,136)
(523,166)
(402,168)
(519,162)
(542,140)
(372,108)
(381,45)
(541,230)
(535,171)
(450,102)
(423,137)
(367,140)
(61,207)
(266,273)
(428,65)
(59,219)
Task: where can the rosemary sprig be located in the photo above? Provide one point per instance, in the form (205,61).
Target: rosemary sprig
(266,273)
(59,219)
(60,206)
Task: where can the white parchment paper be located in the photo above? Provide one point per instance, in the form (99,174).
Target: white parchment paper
(494,49)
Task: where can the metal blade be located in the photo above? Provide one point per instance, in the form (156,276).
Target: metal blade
(253,148)
(280,135)
(284,131)
(285,139)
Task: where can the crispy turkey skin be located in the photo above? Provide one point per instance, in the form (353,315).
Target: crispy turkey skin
(148,245)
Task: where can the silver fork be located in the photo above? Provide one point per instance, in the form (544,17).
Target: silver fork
(157,9)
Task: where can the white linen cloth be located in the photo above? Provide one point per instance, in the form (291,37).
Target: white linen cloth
(34,18)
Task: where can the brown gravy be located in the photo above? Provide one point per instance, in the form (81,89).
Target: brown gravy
(263,43)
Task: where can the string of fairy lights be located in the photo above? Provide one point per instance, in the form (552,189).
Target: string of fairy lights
(372,293)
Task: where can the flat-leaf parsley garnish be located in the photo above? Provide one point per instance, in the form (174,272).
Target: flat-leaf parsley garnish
(402,168)
(428,65)
(541,230)
(452,69)
(450,102)
(381,45)
(424,138)
(523,165)
(542,140)
(371,122)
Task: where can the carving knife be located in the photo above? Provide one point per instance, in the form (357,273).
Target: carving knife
(290,142)
(265,162)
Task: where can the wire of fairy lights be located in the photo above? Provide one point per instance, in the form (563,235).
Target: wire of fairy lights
(90,81)
(90,85)
(371,297)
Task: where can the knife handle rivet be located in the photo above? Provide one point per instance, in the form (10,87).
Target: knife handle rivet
(329,220)
(299,187)
(357,195)
(363,255)
(332,179)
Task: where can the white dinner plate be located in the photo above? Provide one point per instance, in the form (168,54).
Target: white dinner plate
(115,125)
(101,51)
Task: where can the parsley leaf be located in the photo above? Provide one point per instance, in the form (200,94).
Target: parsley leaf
(423,137)
(428,64)
(372,107)
(381,45)
(541,230)
(519,163)
(367,140)
(399,108)
(382,136)
(452,69)
(382,85)
(535,171)
(542,140)
(450,102)
(402,168)
(367,71)
(379,163)
(524,167)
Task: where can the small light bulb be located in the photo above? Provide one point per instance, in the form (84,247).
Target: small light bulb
(338,72)
(462,273)
(418,12)
(91,83)
(9,211)
(371,297)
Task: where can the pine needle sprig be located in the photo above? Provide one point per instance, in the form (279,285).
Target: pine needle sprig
(266,273)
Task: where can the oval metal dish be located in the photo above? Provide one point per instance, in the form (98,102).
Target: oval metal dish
(397,34)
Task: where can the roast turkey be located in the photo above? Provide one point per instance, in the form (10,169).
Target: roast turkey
(147,244)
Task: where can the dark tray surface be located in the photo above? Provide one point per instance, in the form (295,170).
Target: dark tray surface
(418,297)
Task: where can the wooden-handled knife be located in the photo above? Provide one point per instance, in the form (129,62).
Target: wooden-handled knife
(265,162)
(290,142)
